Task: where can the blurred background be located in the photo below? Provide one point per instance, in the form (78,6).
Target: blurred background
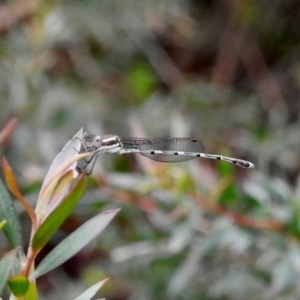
(226,72)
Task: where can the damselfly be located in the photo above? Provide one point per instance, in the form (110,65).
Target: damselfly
(174,149)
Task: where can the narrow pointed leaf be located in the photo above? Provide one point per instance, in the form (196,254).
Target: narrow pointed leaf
(74,242)
(64,161)
(12,228)
(7,130)
(60,191)
(47,189)
(62,186)
(57,217)
(91,291)
(18,285)
(12,185)
(6,264)
(71,149)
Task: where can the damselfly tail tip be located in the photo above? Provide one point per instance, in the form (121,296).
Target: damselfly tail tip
(245,164)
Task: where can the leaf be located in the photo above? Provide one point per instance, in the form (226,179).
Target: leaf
(32,292)
(65,160)
(12,185)
(12,229)
(91,291)
(71,149)
(18,285)
(74,242)
(62,186)
(60,191)
(7,130)
(45,195)
(2,224)
(6,264)
(57,217)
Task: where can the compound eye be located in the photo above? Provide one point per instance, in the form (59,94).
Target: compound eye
(97,142)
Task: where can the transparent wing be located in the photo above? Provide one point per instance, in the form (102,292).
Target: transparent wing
(164,144)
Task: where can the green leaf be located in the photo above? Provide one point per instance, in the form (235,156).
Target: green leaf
(57,217)
(66,160)
(12,229)
(13,187)
(2,224)
(60,191)
(90,292)
(32,292)
(71,149)
(62,186)
(18,285)
(46,192)
(6,264)
(74,242)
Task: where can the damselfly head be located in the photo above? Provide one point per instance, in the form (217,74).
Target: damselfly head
(92,142)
